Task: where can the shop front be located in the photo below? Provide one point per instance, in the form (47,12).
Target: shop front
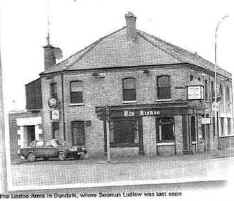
(150,129)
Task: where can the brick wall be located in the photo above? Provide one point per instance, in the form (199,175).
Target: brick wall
(108,91)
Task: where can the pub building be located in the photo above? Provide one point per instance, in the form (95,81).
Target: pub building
(137,93)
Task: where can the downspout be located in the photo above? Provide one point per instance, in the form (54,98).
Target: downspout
(63,113)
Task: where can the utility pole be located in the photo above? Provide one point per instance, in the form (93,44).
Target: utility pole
(215,82)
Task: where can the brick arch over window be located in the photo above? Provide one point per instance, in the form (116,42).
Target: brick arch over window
(129,89)
(163,87)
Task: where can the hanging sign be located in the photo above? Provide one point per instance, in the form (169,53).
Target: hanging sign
(55,115)
(52,102)
(195,92)
(205,120)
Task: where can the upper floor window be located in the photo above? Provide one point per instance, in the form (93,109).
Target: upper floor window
(191,77)
(212,91)
(53,90)
(129,89)
(163,87)
(227,94)
(206,90)
(221,92)
(76,92)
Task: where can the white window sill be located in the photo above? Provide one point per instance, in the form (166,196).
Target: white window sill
(165,143)
(194,142)
(163,100)
(127,102)
(76,104)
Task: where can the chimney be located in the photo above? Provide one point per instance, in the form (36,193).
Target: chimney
(51,54)
(49,57)
(131,26)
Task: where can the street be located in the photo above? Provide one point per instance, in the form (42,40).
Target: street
(42,173)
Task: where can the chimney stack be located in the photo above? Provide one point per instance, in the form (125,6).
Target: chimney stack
(49,57)
(131,26)
(51,54)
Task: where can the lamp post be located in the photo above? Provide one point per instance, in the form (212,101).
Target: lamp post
(215,82)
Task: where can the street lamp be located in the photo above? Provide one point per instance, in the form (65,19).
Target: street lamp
(215,83)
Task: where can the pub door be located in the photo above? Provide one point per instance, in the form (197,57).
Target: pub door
(188,125)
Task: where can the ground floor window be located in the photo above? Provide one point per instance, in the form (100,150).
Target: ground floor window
(193,129)
(165,129)
(55,130)
(124,132)
(30,134)
(78,133)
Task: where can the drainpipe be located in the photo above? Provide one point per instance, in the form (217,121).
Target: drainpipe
(63,113)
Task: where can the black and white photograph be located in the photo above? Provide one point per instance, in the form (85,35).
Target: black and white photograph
(116,99)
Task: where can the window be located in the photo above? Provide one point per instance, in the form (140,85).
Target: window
(227,94)
(191,77)
(206,90)
(76,92)
(129,89)
(53,90)
(229,127)
(193,129)
(163,87)
(212,91)
(165,129)
(78,133)
(221,92)
(55,130)
(124,133)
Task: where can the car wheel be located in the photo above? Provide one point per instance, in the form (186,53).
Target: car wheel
(77,157)
(61,156)
(31,157)
(45,158)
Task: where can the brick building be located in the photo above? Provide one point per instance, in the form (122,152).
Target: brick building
(25,126)
(135,86)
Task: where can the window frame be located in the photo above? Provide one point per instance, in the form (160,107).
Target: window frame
(71,93)
(159,133)
(212,87)
(53,90)
(125,144)
(53,128)
(206,93)
(227,92)
(124,90)
(72,134)
(168,87)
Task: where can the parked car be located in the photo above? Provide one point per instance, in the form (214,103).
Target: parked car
(51,149)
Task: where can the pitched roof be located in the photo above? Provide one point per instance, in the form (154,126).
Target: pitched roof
(114,50)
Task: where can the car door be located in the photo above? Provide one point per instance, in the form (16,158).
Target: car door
(50,150)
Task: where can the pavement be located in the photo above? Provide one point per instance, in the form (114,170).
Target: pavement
(90,171)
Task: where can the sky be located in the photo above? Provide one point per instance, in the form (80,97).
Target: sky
(74,24)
